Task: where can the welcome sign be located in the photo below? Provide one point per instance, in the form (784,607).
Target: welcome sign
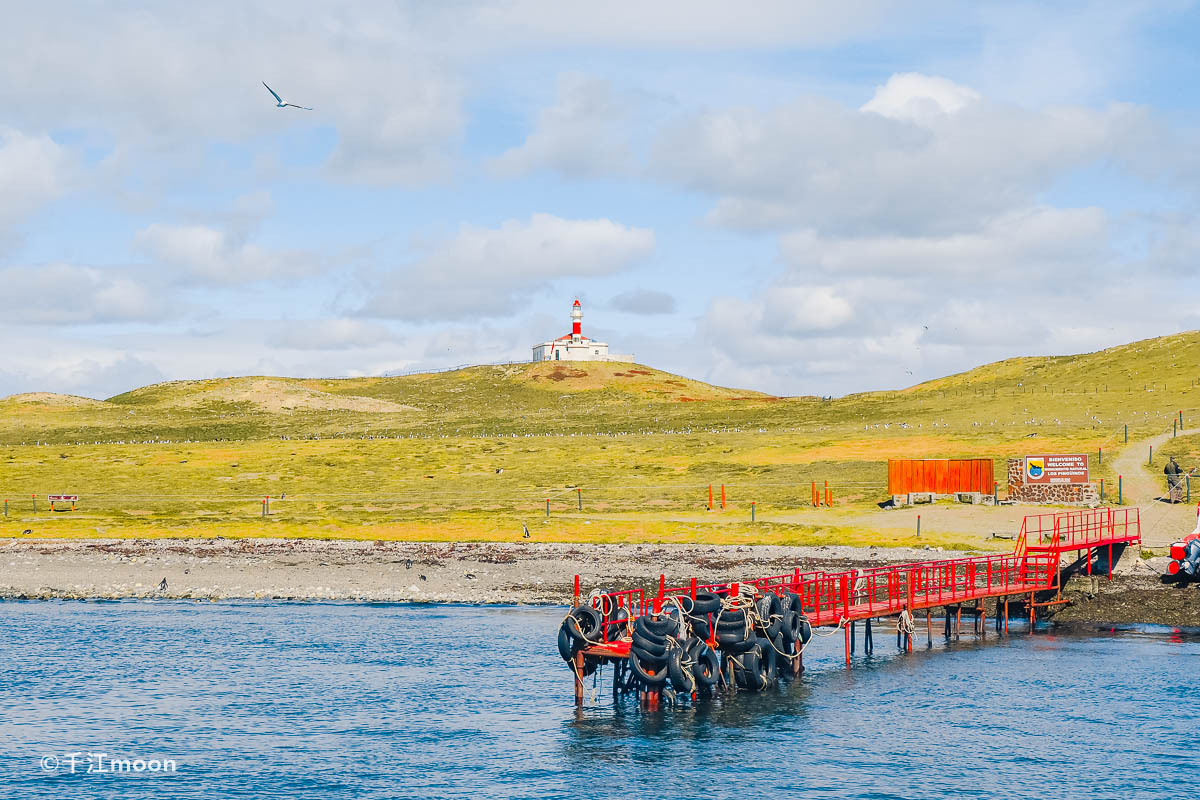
(1056,469)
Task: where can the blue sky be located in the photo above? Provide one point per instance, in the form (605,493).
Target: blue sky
(803,198)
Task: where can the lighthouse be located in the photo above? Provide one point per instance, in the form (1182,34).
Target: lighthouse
(574,346)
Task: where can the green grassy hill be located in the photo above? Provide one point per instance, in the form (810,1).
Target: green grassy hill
(480,448)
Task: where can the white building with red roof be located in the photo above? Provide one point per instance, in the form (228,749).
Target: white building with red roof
(575,346)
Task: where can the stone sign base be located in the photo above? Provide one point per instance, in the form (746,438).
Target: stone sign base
(1081,494)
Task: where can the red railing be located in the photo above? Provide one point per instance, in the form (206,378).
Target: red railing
(829,598)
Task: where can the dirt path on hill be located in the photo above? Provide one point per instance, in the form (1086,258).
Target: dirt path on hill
(1145,486)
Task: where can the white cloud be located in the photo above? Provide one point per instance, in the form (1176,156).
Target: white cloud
(207,255)
(33,171)
(584,133)
(1019,244)
(66,294)
(815,163)
(919,98)
(487,271)
(329,334)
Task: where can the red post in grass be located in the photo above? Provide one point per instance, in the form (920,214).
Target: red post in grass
(828,496)
(814,493)
(710,497)
(722,497)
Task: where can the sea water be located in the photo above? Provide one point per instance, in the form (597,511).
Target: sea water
(282,700)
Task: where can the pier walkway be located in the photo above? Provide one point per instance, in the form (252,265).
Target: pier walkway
(838,599)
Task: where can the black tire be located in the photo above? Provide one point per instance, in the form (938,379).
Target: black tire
(706,664)
(567,645)
(769,605)
(735,645)
(790,630)
(656,649)
(736,615)
(585,624)
(682,680)
(649,659)
(652,676)
(792,602)
(706,603)
(805,630)
(731,625)
(768,661)
(659,627)
(640,629)
(754,668)
(700,627)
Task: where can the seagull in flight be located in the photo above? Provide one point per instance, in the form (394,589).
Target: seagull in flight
(279,100)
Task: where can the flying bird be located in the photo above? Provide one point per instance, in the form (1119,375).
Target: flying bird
(279,100)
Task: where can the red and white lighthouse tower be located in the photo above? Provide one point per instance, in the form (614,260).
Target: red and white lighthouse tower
(575,346)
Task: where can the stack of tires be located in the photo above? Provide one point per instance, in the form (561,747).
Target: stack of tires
(666,655)
(754,640)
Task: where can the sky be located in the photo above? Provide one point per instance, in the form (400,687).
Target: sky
(794,197)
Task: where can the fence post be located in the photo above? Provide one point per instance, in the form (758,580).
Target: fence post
(34,498)
(6,509)
(918,526)
(1126,433)
(547,508)
(722,497)
(710,497)
(579,497)
(1102,490)
(1150,461)
(1120,490)
(828,496)
(1099,456)
(814,493)
(751,509)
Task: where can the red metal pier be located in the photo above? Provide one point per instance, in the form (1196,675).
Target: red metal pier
(837,599)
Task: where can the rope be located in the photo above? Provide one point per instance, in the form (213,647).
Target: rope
(905,623)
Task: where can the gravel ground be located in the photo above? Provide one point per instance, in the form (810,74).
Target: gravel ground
(292,569)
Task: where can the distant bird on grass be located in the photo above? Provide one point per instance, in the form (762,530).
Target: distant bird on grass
(162,586)
(524,531)
(279,100)
(27,531)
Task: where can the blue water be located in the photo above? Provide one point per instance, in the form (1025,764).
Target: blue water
(341,701)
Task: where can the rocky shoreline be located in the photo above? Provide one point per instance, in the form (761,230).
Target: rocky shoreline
(476,572)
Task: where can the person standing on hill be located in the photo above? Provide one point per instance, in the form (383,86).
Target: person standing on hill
(1174,475)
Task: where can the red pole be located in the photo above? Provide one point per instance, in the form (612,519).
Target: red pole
(710,497)
(722,497)
(814,493)
(662,585)
(828,496)
(576,591)
(693,593)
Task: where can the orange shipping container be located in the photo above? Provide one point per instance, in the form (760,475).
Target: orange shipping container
(940,475)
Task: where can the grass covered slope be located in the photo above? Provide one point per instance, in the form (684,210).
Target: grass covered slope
(475,452)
